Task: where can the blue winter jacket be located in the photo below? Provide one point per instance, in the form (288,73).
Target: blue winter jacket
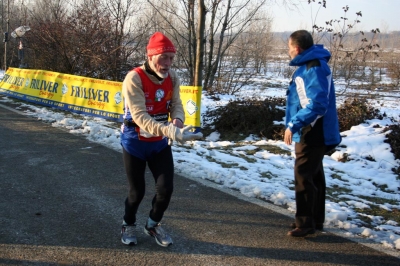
(311,101)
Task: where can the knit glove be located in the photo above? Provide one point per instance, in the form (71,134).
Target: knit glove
(181,134)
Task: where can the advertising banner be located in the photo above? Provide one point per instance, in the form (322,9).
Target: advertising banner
(191,101)
(78,94)
(95,97)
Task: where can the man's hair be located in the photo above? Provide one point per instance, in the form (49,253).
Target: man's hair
(302,39)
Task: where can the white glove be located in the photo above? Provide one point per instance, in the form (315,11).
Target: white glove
(182,134)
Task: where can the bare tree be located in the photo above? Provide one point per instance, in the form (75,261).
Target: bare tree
(348,61)
(246,57)
(228,19)
(393,66)
(261,43)
(177,19)
(47,19)
(104,39)
(198,75)
(129,34)
(90,38)
(227,26)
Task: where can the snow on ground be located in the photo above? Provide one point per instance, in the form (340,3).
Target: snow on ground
(364,182)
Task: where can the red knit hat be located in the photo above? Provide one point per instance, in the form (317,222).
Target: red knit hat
(159,44)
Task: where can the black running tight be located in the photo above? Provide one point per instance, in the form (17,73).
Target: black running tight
(162,167)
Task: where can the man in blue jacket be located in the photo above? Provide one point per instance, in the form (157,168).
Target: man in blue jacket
(312,123)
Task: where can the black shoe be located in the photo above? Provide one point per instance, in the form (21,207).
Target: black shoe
(319,227)
(299,232)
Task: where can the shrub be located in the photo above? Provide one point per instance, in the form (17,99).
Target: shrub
(393,138)
(354,112)
(393,69)
(241,118)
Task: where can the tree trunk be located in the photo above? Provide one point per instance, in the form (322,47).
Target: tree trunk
(198,76)
(219,51)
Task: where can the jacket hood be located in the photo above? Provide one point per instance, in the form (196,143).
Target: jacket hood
(316,51)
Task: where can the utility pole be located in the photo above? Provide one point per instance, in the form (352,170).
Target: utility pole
(6,35)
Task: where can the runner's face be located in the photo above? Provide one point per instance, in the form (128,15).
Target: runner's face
(161,63)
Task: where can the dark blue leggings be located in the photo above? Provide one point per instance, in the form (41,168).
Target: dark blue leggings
(161,165)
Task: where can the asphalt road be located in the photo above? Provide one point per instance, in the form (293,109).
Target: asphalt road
(61,203)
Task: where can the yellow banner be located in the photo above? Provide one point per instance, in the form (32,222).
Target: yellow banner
(96,97)
(90,96)
(191,100)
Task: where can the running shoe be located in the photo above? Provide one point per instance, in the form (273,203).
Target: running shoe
(161,237)
(128,236)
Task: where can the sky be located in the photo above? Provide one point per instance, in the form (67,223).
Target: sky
(382,14)
(358,181)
